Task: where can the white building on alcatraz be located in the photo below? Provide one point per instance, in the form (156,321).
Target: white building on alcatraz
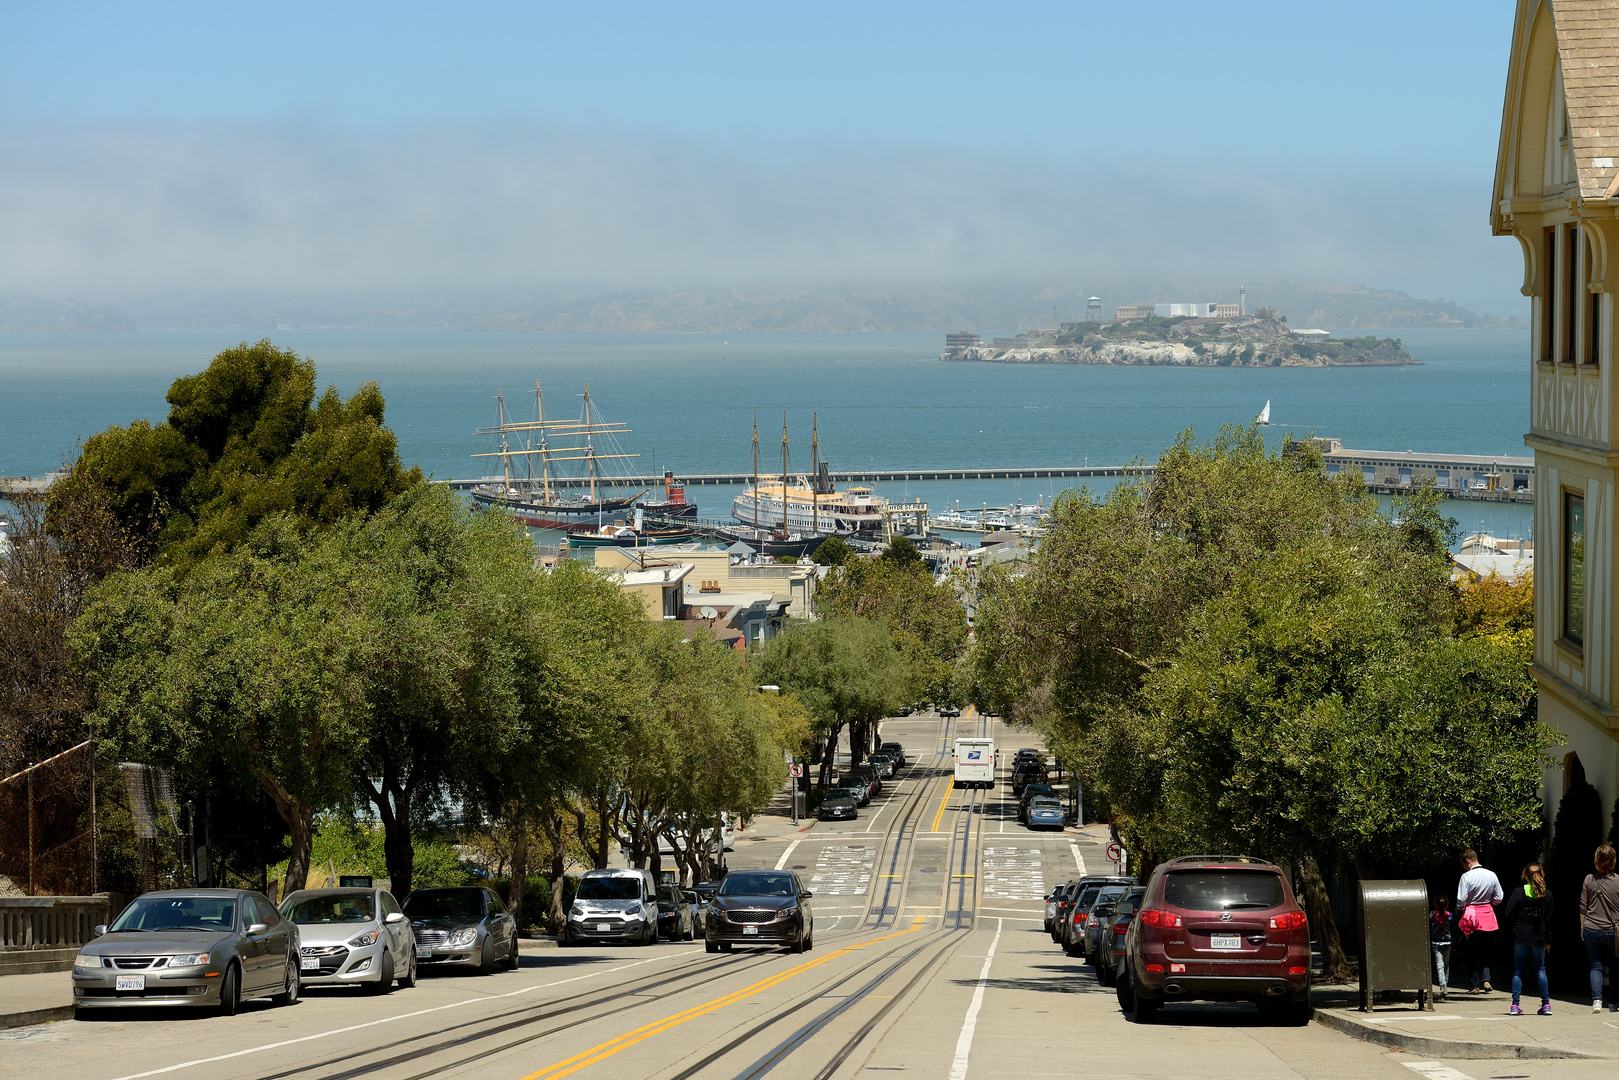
(1557,192)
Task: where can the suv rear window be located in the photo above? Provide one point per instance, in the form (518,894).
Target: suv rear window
(1223,890)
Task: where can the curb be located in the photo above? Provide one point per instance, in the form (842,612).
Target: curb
(1466,1049)
(29,1017)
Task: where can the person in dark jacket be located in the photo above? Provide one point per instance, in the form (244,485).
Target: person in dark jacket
(1527,912)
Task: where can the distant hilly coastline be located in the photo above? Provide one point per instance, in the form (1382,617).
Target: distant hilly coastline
(766,308)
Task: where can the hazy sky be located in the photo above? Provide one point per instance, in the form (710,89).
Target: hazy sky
(355,147)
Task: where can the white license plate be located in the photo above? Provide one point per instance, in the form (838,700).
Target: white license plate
(750,930)
(311,963)
(423,953)
(132,982)
(604,928)
(1225,941)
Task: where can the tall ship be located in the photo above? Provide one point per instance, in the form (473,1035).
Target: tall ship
(562,473)
(807,504)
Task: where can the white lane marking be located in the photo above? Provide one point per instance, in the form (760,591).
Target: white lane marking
(1013,873)
(1408,1019)
(782,863)
(843,870)
(384,1020)
(1436,1070)
(964,1044)
(1078,858)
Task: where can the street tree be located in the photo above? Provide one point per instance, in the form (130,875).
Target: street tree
(925,618)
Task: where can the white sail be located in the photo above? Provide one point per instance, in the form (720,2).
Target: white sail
(1264,414)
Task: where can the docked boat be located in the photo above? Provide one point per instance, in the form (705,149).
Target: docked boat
(806,504)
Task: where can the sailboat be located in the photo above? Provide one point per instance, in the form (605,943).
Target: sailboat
(1263,419)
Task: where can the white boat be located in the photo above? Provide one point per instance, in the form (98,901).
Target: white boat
(808,506)
(1263,419)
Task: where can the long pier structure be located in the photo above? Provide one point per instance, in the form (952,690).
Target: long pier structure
(857,476)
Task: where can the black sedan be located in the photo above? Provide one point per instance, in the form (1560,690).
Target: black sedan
(465,926)
(837,805)
(675,919)
(761,907)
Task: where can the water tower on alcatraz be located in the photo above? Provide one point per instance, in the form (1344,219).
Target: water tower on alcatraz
(1093,309)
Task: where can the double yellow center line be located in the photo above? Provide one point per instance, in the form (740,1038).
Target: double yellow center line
(641,1034)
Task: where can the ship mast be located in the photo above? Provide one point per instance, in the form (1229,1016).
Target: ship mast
(815,473)
(590,445)
(545,458)
(756,476)
(505,447)
(784,473)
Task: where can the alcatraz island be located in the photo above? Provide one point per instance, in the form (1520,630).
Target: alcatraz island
(1181,335)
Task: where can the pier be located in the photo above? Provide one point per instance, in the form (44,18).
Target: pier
(855,476)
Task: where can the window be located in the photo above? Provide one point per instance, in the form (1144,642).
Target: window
(1572,296)
(1548,298)
(1574,568)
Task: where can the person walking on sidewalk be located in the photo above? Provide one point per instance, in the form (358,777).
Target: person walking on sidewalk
(1439,920)
(1599,914)
(1477,893)
(1528,911)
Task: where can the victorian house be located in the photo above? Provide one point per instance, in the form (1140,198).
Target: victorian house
(1557,192)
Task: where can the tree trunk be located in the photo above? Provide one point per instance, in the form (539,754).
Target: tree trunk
(514,903)
(299,815)
(1335,966)
(558,918)
(392,801)
(603,828)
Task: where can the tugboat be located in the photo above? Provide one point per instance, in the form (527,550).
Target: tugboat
(674,504)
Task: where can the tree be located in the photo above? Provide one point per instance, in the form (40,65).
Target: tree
(833,551)
(902,550)
(245,439)
(925,618)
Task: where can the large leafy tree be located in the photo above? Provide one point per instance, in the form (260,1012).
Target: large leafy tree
(244,439)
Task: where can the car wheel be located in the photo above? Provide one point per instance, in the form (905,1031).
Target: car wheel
(385,984)
(1072,949)
(797,946)
(689,934)
(1288,1013)
(230,991)
(292,986)
(486,965)
(408,979)
(513,957)
(1146,1009)
(1126,996)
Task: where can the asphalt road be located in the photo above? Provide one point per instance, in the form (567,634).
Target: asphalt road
(929,959)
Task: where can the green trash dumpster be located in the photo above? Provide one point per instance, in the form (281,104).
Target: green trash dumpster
(1394,949)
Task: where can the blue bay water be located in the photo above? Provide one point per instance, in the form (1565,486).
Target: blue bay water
(881,400)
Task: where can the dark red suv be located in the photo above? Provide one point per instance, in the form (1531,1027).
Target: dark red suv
(1218,928)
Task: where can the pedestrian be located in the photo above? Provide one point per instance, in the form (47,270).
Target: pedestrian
(1528,911)
(1477,893)
(1599,914)
(1439,920)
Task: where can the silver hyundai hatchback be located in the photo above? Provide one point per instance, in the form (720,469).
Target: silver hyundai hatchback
(352,936)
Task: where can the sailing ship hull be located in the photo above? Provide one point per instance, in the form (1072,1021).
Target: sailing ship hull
(794,546)
(670,509)
(533,511)
(766,509)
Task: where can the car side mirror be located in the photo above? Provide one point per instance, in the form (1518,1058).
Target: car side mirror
(258,928)
(394,917)
(805,895)
(98,929)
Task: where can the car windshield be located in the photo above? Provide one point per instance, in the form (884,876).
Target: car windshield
(445,903)
(1223,890)
(355,908)
(759,885)
(178,913)
(1108,896)
(610,888)
(839,795)
(667,898)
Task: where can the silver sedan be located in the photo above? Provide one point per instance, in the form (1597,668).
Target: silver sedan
(352,936)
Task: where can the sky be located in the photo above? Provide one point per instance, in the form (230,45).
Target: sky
(354,147)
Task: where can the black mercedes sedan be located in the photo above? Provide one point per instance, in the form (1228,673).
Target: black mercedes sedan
(761,907)
(837,804)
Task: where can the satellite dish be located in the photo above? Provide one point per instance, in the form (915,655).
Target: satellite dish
(709,613)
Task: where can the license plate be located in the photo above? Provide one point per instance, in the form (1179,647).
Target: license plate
(423,953)
(311,963)
(1225,941)
(131,982)
(604,928)
(750,930)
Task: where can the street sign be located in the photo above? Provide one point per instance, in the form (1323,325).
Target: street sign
(796,769)
(1114,851)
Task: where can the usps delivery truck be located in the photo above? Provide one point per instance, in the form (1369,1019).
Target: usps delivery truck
(975,763)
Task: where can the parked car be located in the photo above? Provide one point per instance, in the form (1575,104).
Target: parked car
(1118,924)
(352,936)
(1046,813)
(1218,928)
(699,910)
(761,907)
(839,804)
(866,775)
(1091,937)
(1083,895)
(882,764)
(462,926)
(1027,753)
(898,751)
(210,947)
(1074,941)
(949,710)
(1029,772)
(1030,793)
(614,905)
(675,921)
(1057,904)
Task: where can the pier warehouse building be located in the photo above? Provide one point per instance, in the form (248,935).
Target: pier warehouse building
(1557,191)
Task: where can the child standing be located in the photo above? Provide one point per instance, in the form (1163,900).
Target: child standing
(1439,923)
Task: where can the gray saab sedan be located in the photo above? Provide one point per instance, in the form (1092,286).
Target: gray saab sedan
(212,947)
(761,907)
(352,936)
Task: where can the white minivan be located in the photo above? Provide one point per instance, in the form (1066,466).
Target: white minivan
(614,905)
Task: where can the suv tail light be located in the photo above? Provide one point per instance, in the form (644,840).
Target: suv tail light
(1289,920)
(1080,919)
(1155,917)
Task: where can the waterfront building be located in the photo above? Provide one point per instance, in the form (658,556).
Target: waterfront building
(1227,311)
(714,572)
(1555,191)
(1131,312)
(1177,311)
(961,339)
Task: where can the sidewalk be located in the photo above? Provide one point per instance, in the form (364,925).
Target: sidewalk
(35,999)
(1475,1027)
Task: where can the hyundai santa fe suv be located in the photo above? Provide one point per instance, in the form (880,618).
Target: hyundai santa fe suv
(1218,928)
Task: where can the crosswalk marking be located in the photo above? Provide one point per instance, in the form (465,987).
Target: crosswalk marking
(1436,1070)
